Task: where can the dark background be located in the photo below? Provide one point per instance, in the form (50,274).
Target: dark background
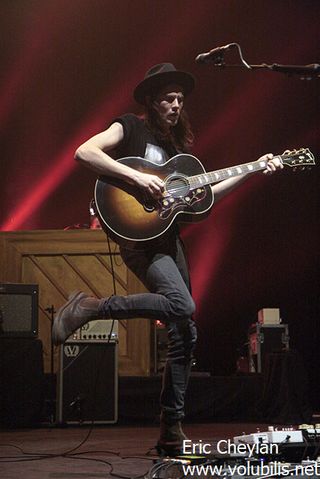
(69,67)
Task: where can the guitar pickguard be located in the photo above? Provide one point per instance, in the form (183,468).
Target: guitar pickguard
(170,204)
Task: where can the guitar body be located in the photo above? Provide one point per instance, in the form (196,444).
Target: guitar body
(128,215)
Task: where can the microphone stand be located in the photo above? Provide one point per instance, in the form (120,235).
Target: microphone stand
(305,72)
(51,311)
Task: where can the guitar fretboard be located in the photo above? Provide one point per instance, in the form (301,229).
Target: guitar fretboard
(233,171)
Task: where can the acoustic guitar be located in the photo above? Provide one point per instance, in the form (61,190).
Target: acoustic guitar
(129,215)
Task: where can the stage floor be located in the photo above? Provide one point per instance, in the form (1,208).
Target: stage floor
(124,451)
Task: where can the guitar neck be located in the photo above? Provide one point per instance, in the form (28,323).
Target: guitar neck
(218,175)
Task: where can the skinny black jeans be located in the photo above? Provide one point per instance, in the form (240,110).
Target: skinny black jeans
(164,272)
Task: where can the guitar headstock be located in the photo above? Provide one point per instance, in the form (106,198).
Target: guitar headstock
(298,158)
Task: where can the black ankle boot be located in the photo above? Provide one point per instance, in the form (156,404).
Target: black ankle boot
(171,438)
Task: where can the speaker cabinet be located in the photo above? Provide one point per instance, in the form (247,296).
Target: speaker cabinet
(22,382)
(18,310)
(88,382)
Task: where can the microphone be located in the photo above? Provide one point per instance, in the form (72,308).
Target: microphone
(214,55)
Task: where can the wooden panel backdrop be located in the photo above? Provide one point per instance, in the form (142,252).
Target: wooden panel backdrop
(64,261)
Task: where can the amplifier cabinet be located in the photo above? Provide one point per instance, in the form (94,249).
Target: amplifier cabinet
(265,339)
(88,382)
(18,310)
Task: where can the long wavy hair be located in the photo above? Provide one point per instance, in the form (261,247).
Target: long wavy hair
(179,137)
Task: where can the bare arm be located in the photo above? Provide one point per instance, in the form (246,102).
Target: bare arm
(93,154)
(224,187)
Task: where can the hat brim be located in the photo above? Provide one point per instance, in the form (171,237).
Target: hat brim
(153,84)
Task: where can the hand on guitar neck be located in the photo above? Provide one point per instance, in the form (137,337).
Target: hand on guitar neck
(273,163)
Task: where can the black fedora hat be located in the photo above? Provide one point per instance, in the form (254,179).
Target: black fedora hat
(159,76)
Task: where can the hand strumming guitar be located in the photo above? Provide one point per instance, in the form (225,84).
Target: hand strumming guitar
(150,184)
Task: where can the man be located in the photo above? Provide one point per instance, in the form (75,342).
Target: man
(161,265)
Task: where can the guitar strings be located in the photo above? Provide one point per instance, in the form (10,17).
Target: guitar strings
(222,174)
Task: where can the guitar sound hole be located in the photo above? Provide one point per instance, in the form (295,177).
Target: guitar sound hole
(177,186)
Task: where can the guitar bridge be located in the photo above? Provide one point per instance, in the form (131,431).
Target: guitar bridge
(169,204)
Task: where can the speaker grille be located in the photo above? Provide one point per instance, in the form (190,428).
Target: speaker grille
(18,310)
